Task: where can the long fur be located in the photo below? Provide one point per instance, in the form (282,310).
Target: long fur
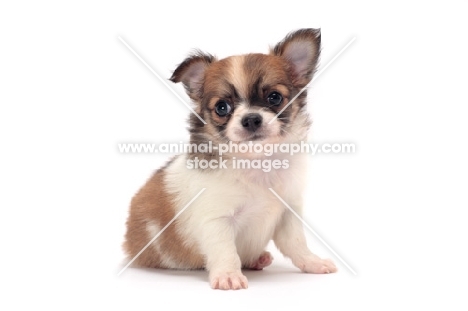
(229,225)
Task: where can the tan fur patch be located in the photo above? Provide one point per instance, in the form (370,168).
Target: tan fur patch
(152,204)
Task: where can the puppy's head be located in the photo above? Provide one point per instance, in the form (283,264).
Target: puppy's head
(240,97)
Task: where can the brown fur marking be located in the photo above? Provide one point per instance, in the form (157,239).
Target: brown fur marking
(153,203)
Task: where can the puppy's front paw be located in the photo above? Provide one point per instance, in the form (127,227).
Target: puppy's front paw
(228,280)
(319,266)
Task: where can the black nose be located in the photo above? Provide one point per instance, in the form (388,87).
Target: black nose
(252,121)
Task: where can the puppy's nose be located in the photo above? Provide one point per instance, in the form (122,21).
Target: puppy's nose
(252,121)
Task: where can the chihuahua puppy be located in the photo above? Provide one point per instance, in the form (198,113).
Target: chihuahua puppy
(228,226)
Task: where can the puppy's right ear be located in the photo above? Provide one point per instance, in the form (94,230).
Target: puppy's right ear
(191,72)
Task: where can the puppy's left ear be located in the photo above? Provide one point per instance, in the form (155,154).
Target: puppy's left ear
(301,49)
(191,72)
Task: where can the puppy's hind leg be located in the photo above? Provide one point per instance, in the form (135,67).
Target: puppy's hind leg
(263,261)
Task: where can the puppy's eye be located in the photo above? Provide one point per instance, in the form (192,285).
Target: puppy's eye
(275,99)
(223,108)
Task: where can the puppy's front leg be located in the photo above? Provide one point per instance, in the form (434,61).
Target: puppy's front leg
(222,260)
(290,239)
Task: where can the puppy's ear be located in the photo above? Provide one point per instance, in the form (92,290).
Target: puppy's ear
(191,72)
(302,50)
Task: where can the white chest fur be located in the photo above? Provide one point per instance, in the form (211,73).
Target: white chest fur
(238,200)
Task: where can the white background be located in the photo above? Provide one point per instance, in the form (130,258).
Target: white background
(70,91)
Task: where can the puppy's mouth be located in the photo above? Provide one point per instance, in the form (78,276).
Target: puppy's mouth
(256,137)
(243,136)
